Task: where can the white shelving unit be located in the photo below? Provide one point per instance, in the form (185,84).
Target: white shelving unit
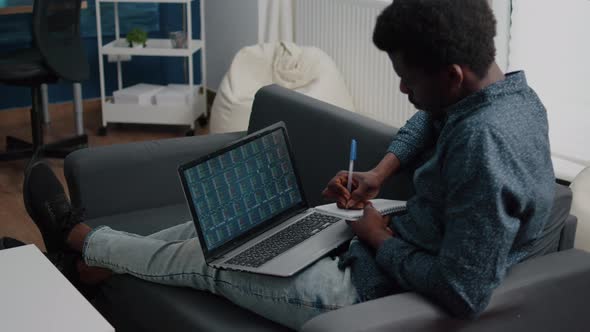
(154,114)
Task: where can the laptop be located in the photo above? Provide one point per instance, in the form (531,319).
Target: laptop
(250,211)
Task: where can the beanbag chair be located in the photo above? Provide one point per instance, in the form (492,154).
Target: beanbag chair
(304,69)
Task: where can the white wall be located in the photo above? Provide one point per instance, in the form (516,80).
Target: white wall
(233,24)
(502,12)
(549,41)
(230,25)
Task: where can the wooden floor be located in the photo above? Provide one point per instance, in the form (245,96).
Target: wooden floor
(14,220)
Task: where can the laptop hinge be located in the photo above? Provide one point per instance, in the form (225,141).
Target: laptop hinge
(214,258)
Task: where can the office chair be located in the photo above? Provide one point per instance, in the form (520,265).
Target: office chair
(57,54)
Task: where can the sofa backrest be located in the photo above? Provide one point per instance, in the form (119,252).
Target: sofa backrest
(320,136)
(123,178)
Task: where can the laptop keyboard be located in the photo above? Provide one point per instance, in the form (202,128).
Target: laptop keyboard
(283,240)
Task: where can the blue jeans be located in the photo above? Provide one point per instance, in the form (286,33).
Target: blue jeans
(173,257)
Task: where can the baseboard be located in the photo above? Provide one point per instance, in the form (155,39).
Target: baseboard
(87,104)
(56,106)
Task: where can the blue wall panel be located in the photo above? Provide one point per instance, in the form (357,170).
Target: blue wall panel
(159,20)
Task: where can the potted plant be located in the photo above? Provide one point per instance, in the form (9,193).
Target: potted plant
(136,38)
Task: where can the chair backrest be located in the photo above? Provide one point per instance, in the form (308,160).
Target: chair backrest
(56,33)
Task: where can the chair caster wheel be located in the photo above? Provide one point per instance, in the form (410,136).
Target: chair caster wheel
(190,133)
(102,131)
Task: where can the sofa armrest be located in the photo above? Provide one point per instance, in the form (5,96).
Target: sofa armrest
(122,178)
(548,293)
(568,234)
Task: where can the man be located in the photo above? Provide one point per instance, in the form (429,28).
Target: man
(483,180)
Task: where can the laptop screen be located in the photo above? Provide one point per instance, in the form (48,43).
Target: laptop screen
(241,188)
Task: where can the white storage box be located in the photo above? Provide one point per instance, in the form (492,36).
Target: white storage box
(176,94)
(139,94)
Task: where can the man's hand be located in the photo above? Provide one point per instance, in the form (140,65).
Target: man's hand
(372,227)
(365,186)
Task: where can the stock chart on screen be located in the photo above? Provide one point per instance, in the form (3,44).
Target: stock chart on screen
(242,188)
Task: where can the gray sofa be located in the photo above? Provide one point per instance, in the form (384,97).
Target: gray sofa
(134,187)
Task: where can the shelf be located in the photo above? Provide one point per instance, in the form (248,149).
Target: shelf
(154,114)
(154,47)
(168,114)
(149,1)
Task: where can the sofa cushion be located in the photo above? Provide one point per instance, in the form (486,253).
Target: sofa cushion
(549,239)
(153,307)
(145,222)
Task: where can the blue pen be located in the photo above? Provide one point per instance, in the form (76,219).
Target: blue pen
(351,164)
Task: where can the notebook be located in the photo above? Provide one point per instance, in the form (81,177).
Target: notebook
(384,206)
(250,210)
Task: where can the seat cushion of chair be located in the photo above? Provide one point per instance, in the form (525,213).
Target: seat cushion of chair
(24,67)
(131,304)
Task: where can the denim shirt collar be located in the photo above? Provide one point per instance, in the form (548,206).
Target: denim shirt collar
(512,83)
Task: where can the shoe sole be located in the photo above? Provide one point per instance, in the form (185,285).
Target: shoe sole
(27,194)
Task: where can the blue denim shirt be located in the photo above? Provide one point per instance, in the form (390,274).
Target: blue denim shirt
(484,190)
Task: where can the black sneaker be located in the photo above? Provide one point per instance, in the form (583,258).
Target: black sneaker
(48,206)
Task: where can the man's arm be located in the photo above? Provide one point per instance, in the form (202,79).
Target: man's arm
(479,230)
(389,165)
(413,139)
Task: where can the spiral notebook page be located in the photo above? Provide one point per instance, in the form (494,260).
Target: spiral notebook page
(384,206)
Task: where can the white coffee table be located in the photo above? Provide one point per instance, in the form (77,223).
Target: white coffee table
(35,296)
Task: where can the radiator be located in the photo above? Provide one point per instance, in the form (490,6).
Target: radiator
(344,30)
